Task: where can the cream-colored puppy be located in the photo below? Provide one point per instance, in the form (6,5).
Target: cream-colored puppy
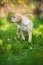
(24,24)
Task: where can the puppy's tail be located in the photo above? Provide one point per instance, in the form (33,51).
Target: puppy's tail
(27,15)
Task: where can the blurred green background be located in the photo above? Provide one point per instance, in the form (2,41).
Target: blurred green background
(14,51)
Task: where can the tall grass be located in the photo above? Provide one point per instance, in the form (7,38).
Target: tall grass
(14,51)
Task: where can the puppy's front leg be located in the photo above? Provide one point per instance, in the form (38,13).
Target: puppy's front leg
(18,29)
(22,35)
(30,36)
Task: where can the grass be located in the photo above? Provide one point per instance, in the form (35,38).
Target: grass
(14,51)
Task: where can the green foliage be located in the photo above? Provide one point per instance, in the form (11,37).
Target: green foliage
(14,51)
(37,0)
(2,2)
(14,1)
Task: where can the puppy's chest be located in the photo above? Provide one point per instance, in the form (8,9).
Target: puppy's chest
(24,28)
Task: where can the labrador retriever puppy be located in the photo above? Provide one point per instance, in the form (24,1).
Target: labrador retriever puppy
(24,24)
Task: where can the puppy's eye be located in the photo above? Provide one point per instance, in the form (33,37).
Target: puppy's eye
(14,17)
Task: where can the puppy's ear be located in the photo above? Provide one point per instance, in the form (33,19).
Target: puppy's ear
(18,19)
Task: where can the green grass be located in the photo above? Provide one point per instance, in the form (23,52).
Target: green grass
(14,51)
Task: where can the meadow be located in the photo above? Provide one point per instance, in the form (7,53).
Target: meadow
(14,51)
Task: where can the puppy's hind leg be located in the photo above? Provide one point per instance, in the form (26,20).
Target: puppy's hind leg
(30,28)
(30,36)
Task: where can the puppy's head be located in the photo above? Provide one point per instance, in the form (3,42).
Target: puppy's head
(16,18)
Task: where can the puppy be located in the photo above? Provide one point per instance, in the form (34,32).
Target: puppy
(24,24)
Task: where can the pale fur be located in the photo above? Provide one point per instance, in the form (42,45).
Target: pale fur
(24,24)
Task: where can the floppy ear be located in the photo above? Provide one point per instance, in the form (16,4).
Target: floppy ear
(18,19)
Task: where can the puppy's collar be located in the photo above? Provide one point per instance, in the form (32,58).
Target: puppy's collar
(19,22)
